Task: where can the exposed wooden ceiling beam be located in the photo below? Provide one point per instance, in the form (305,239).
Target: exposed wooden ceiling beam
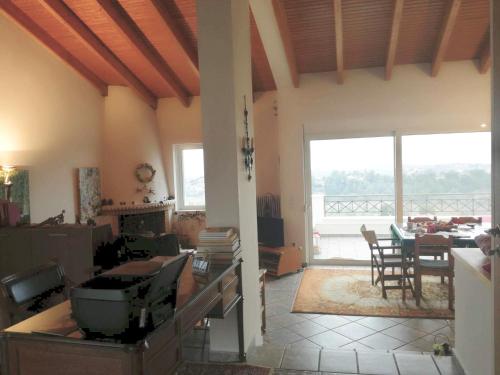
(444,36)
(178,34)
(66,16)
(339,40)
(397,15)
(485,58)
(20,17)
(280,14)
(139,40)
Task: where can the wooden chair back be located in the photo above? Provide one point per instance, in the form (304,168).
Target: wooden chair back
(432,244)
(370,236)
(467,220)
(32,291)
(436,245)
(420,219)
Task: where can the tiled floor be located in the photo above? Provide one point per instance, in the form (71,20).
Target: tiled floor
(343,344)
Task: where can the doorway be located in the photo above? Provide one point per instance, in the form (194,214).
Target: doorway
(351,182)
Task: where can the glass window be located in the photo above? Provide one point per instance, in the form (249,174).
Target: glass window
(189,177)
(352,183)
(447,175)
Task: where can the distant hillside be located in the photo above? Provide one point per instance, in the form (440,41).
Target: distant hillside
(437,179)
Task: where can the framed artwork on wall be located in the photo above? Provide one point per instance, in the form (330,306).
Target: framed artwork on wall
(89,186)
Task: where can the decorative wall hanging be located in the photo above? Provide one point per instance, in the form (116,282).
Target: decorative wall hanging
(247,147)
(89,185)
(145,173)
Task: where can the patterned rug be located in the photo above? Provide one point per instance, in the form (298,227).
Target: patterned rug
(349,292)
(190,368)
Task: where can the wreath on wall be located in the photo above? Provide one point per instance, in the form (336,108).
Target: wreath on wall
(145,173)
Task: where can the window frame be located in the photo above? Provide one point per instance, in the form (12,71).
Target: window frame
(179,176)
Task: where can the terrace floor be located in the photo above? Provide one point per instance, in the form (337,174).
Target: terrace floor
(342,247)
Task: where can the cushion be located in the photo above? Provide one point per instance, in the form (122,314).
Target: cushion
(428,263)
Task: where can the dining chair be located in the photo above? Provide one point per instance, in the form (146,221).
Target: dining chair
(467,220)
(437,245)
(383,261)
(373,258)
(420,219)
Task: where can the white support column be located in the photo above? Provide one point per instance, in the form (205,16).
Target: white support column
(398,177)
(225,73)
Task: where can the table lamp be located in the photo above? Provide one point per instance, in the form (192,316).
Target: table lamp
(7,171)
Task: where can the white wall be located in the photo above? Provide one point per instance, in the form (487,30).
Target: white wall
(130,138)
(267,155)
(50,121)
(458,99)
(179,124)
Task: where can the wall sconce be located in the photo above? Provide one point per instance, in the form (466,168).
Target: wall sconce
(247,146)
(7,171)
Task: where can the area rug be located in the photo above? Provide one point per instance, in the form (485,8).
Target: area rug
(190,368)
(349,292)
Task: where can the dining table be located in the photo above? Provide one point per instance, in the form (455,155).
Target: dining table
(463,236)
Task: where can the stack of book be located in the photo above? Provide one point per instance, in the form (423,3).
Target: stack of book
(219,245)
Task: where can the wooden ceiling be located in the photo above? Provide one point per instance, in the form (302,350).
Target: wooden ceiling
(419,31)
(151,45)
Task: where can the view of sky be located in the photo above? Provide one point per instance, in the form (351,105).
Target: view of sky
(418,150)
(193,173)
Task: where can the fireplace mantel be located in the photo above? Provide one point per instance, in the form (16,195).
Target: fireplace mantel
(138,209)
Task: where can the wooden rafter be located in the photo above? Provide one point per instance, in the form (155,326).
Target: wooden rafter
(393,41)
(280,14)
(444,36)
(20,17)
(485,58)
(178,34)
(339,40)
(139,40)
(66,16)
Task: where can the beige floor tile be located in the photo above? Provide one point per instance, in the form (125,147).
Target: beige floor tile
(354,331)
(426,325)
(331,321)
(403,333)
(381,341)
(330,340)
(377,323)
(301,359)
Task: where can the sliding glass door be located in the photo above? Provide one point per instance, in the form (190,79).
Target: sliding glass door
(352,183)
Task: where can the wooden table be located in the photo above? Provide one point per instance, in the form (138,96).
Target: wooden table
(26,350)
(463,237)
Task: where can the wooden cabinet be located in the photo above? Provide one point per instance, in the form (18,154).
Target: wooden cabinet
(72,246)
(279,261)
(12,245)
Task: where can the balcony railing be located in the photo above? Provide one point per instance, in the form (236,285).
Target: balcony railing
(413,205)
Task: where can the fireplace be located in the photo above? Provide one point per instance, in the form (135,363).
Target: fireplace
(140,218)
(138,223)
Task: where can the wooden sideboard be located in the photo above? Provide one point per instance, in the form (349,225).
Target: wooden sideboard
(72,246)
(28,349)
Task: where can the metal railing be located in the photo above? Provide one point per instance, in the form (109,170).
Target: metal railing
(413,205)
